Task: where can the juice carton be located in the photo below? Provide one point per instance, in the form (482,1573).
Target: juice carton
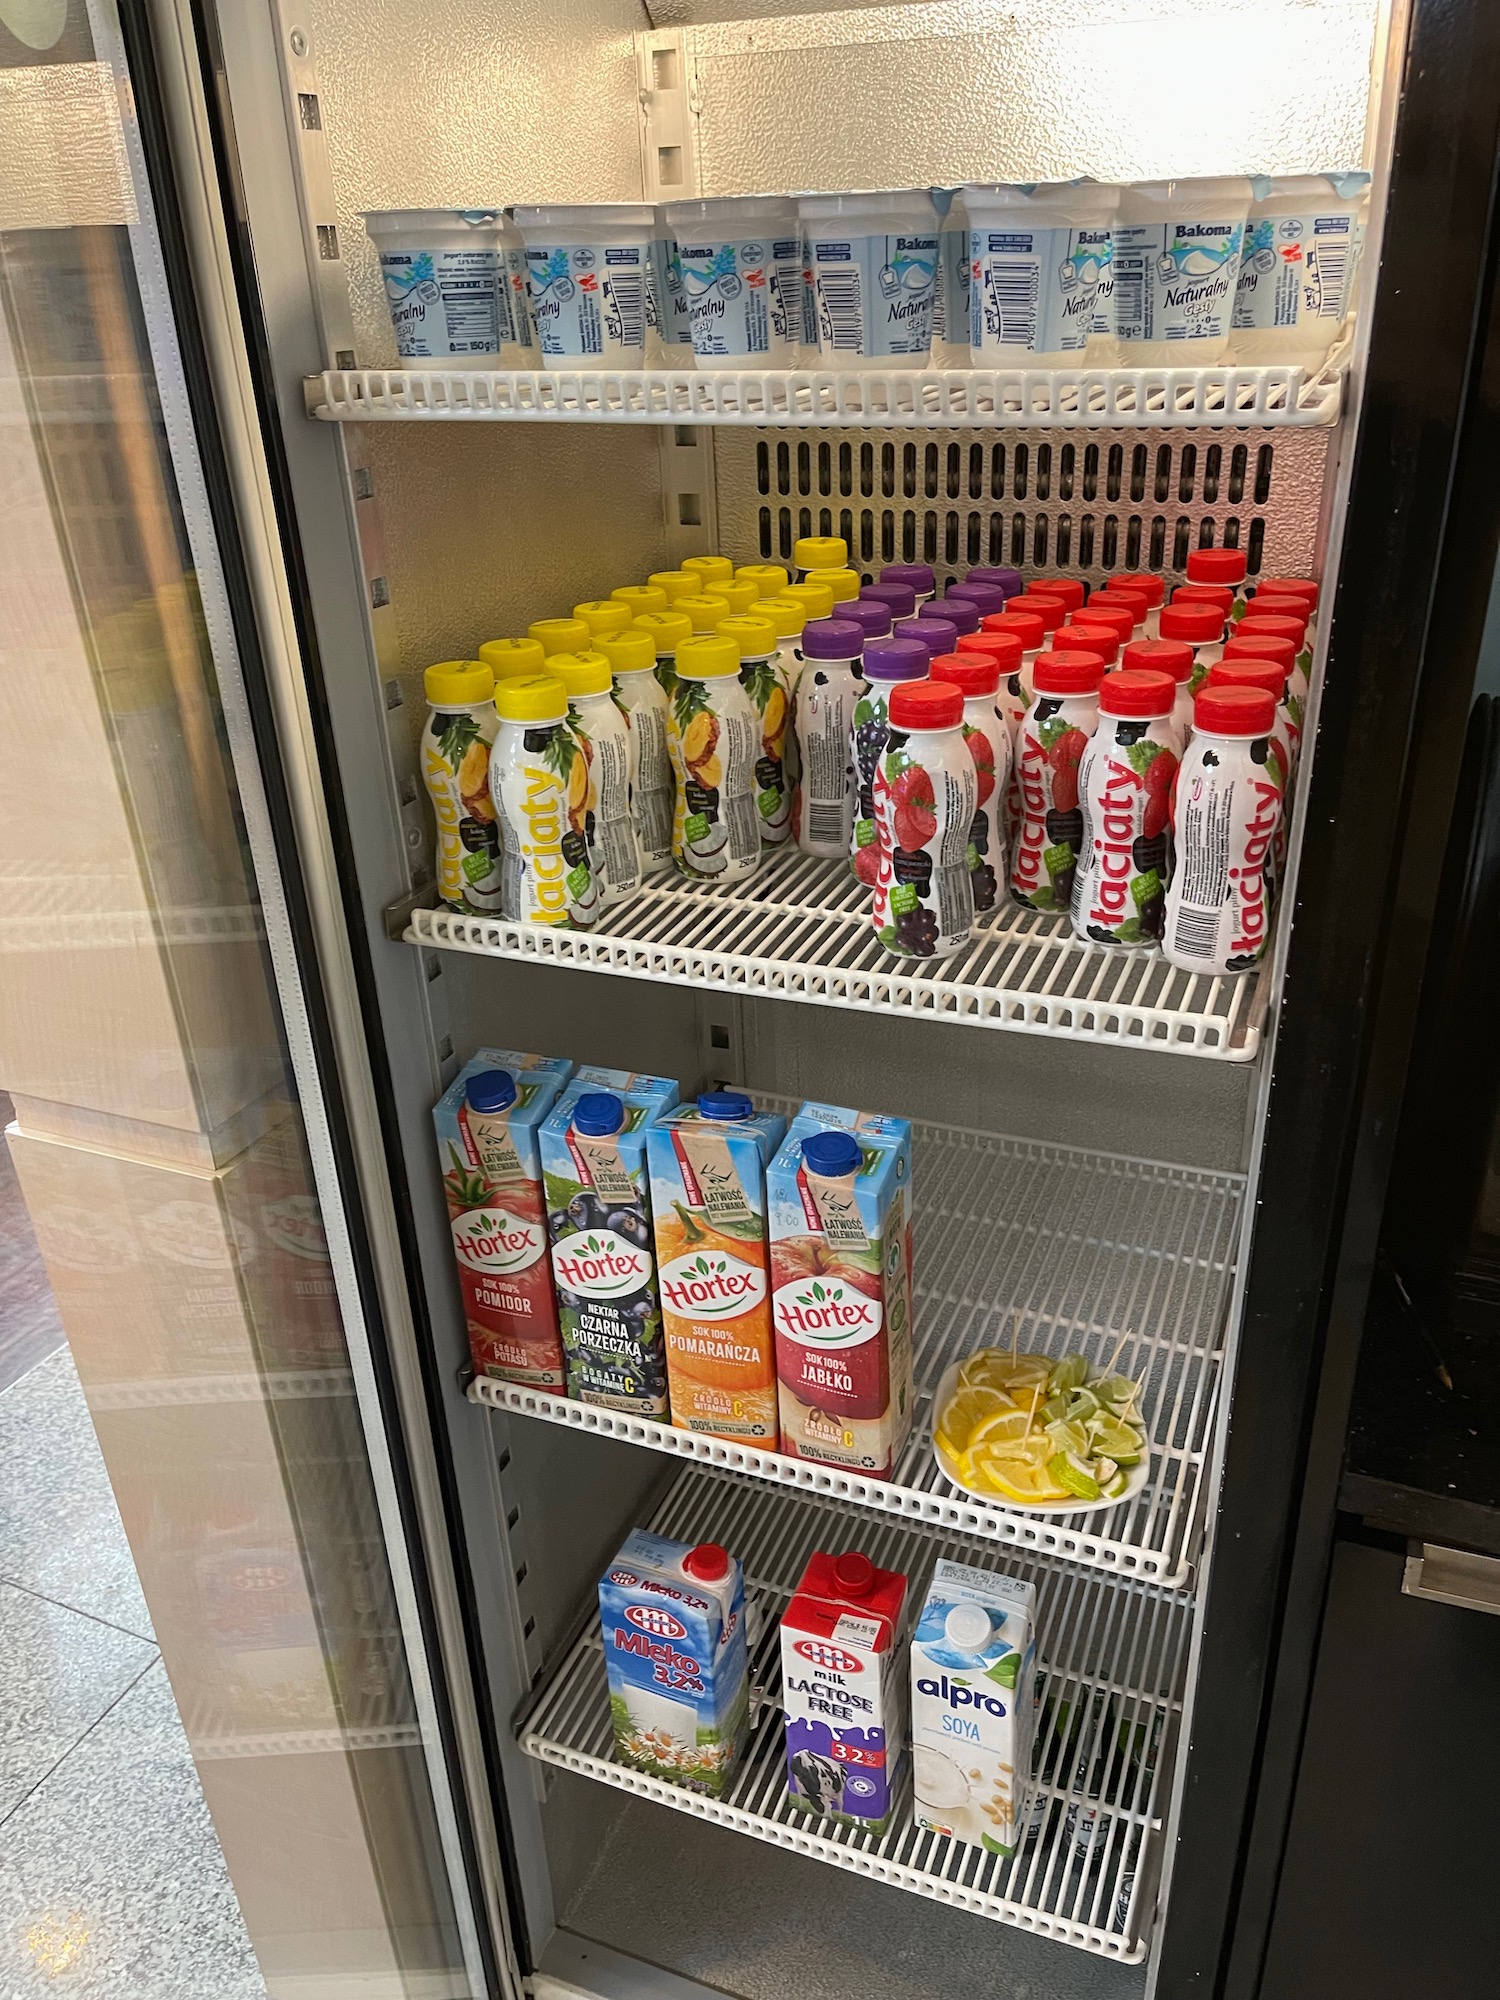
(593,1150)
(843,1687)
(672,1618)
(973,1661)
(486,1124)
(708,1201)
(665,1089)
(839,1200)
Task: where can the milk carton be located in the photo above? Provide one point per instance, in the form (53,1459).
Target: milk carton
(839,1202)
(672,1618)
(843,1686)
(973,1660)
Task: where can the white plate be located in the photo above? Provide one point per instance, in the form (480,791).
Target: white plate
(1135,1479)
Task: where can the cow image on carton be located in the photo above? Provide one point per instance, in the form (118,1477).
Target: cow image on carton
(843,1686)
(973,1662)
(672,1619)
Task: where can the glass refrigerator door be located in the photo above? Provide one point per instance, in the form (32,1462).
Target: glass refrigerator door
(177,1161)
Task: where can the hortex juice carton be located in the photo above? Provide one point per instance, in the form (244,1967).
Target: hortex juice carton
(593,1149)
(972,1668)
(672,1618)
(487,1123)
(665,1089)
(839,1195)
(843,1685)
(708,1203)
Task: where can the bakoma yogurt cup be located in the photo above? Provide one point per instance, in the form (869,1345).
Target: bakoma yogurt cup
(590,274)
(873,259)
(741,263)
(1177,247)
(441,268)
(1037,254)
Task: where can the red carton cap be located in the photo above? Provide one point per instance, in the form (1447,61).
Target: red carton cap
(1234,711)
(1004,648)
(1258,645)
(1091,635)
(1216,565)
(1067,589)
(1267,674)
(1068,673)
(1301,587)
(1144,582)
(708,1562)
(1199,624)
(1028,626)
(854,1574)
(971,673)
(1050,609)
(1129,693)
(926,705)
(1163,656)
(1275,624)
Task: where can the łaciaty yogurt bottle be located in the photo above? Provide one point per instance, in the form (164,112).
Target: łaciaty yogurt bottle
(1146,584)
(602,732)
(605,617)
(1257,644)
(711,571)
(714,738)
(513,659)
(1269,675)
(816,599)
(1200,626)
(639,598)
(1035,260)
(925,792)
(870,614)
(1219,595)
(441,268)
(559,635)
(1068,591)
(790,620)
(918,577)
(1166,656)
(461,726)
(1125,792)
(885,663)
(874,265)
(1177,248)
(938,635)
(590,276)
(987,734)
(1089,635)
(1228,807)
(830,686)
(676,583)
(666,630)
(811,552)
(1271,621)
(962,613)
(769,578)
(1000,574)
(842,584)
(900,599)
(1272,591)
(1225,567)
(632,660)
(950,298)
(741,261)
(1005,650)
(988,599)
(1118,599)
(1049,753)
(546,872)
(1298,272)
(764,679)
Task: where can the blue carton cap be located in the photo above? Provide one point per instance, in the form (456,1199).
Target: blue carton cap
(725,1105)
(490,1090)
(598,1113)
(832,1153)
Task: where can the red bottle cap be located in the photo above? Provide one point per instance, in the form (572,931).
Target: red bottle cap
(1199,624)
(1091,635)
(708,1562)
(1144,582)
(1121,594)
(1163,656)
(1028,626)
(1301,587)
(1135,694)
(1234,711)
(1051,610)
(1260,645)
(1267,674)
(1067,589)
(971,673)
(1274,624)
(1204,593)
(853,1573)
(1004,648)
(1121,617)
(1216,565)
(1067,673)
(926,705)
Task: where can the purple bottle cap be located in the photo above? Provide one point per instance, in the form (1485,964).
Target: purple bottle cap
(988,596)
(873,614)
(962,612)
(898,659)
(832,639)
(938,635)
(1008,580)
(918,575)
(899,596)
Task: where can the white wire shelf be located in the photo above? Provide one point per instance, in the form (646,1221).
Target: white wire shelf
(1063,398)
(1112,1655)
(1088,1248)
(799,929)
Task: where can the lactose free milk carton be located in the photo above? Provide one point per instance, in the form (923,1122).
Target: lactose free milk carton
(973,1660)
(843,1685)
(838,1196)
(672,1618)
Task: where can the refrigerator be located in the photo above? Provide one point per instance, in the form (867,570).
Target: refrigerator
(242,532)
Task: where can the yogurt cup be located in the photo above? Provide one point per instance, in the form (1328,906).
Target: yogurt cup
(590,273)
(1297,277)
(1035,259)
(441,268)
(1177,248)
(672,323)
(950,298)
(517,328)
(741,261)
(874,265)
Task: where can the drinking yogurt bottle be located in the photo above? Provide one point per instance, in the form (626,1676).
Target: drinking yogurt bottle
(1257,644)
(1219,595)
(1301,260)
(559,635)
(1228,807)
(962,613)
(1004,578)
(1200,626)
(843,584)
(901,598)
(605,617)
(1177,247)
(590,274)
(510,659)
(987,735)
(917,576)
(871,614)
(1225,567)
(1147,585)
(641,598)
(632,660)
(768,578)
(461,726)
(1269,675)
(603,774)
(885,662)
(1049,751)
(1167,656)
(1067,590)
(829,689)
(925,801)
(714,739)
(819,552)
(546,878)
(442,272)
(1125,793)
(676,584)
(1088,635)
(988,599)
(741,261)
(710,570)
(764,679)
(1269,623)
(938,635)
(1036,253)
(874,265)
(816,599)
(666,630)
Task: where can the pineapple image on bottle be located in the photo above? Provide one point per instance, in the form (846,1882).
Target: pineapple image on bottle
(714,735)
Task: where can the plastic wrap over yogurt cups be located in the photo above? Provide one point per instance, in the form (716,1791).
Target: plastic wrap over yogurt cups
(873,259)
(441,271)
(589,269)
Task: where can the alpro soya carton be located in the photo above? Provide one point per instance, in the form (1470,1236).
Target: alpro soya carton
(593,1149)
(708,1204)
(487,1121)
(839,1200)
(973,1658)
(672,1618)
(843,1686)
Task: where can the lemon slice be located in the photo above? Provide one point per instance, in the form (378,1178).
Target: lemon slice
(1004,1427)
(987,1367)
(967,1410)
(1016,1480)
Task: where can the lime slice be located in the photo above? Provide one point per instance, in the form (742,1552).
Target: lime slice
(1071,1472)
(1054,1410)
(1115,1487)
(1070,1373)
(1116,1390)
(1121,1442)
(1069,1437)
(1082,1403)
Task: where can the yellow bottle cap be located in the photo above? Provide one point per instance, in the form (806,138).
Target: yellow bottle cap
(703,613)
(755,637)
(512,656)
(676,583)
(738,596)
(581,673)
(458,683)
(709,568)
(842,582)
(641,597)
(785,613)
(560,635)
(535,698)
(768,578)
(820,552)
(707,656)
(666,629)
(604,617)
(817,598)
(629,652)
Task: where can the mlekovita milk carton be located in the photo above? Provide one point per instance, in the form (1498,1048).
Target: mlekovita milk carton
(843,1687)
(973,1661)
(672,1618)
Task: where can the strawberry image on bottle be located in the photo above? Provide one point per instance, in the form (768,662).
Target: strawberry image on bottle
(925,794)
(1226,810)
(1049,751)
(977,676)
(1125,789)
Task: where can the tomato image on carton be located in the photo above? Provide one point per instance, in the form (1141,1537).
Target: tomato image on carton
(843,1686)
